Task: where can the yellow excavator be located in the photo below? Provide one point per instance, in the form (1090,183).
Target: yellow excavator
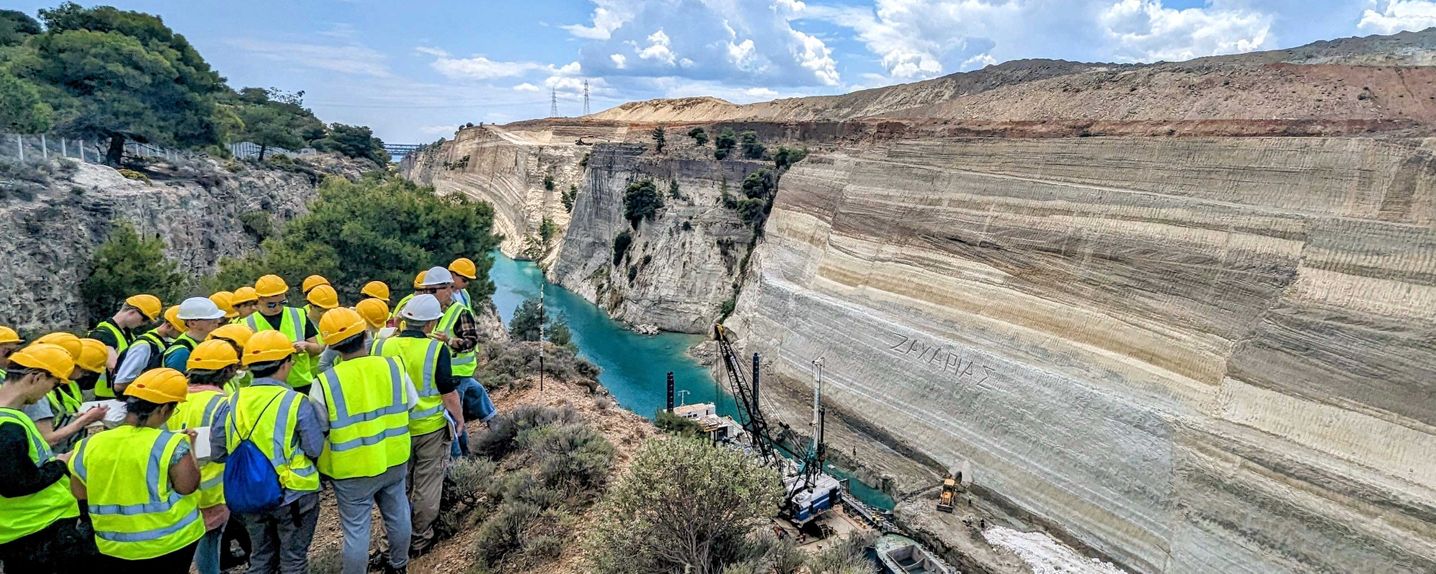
(948,496)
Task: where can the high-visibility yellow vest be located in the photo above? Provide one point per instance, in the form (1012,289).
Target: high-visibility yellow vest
(65,399)
(199,410)
(463,364)
(421,360)
(135,512)
(184,341)
(368,420)
(272,430)
(292,325)
(102,386)
(26,515)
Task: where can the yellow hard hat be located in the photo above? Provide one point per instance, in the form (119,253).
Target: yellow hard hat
(52,359)
(147,304)
(93,355)
(419,280)
(270,285)
(267,347)
(225,301)
(374,312)
(159,386)
(8,335)
(463,266)
(323,297)
(376,289)
(339,325)
(212,355)
(245,294)
(67,341)
(172,317)
(236,334)
(311,282)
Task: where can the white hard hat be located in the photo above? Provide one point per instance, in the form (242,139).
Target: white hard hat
(199,308)
(423,308)
(437,276)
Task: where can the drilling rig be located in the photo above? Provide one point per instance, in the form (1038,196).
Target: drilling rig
(809,492)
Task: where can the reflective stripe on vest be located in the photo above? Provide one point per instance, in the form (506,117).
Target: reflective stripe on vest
(26,515)
(274,434)
(292,325)
(157,349)
(121,341)
(184,341)
(421,359)
(198,410)
(134,519)
(463,364)
(368,420)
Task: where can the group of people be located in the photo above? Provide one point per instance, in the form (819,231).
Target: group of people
(113,447)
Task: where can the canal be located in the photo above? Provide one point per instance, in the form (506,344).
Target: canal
(633,367)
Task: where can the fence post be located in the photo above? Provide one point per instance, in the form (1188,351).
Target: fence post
(20,146)
(44,149)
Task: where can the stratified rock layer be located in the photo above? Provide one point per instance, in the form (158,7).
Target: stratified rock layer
(1193,355)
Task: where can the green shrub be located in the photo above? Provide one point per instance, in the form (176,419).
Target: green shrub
(660,139)
(124,265)
(699,135)
(787,156)
(134,175)
(641,201)
(548,182)
(499,441)
(570,457)
(569,197)
(674,424)
(257,224)
(621,243)
(751,148)
(724,144)
(514,365)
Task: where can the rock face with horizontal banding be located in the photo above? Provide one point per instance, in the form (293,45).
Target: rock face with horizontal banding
(1193,355)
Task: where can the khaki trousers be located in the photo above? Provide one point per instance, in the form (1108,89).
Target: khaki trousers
(427,463)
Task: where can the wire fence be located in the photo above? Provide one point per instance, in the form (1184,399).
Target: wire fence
(42,147)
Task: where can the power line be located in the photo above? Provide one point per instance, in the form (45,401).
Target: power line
(585,98)
(553,106)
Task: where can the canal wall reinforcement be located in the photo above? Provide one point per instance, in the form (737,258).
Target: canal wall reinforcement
(1189,354)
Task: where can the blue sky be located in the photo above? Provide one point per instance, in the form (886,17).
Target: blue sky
(416,70)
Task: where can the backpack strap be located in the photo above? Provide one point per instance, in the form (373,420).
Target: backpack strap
(235,413)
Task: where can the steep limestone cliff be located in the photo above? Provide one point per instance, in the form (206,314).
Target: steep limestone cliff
(53,228)
(683,263)
(1194,355)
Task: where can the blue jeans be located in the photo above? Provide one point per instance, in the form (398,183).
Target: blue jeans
(477,407)
(206,555)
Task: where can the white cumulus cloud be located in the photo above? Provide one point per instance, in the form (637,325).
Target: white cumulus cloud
(526,87)
(748,42)
(1145,31)
(1398,16)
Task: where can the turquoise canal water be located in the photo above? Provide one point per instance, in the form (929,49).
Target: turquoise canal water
(634,367)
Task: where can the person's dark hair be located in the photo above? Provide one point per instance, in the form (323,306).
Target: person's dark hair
(140,407)
(350,345)
(87,381)
(215,378)
(261,370)
(18,372)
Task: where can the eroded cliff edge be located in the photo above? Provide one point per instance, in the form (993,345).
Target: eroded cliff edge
(1194,355)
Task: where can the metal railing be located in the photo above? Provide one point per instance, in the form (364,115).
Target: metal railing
(41,147)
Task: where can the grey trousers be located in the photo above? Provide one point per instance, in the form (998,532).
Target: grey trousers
(279,539)
(356,498)
(427,463)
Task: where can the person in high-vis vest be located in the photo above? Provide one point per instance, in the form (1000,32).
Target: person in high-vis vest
(118,331)
(366,454)
(211,365)
(225,301)
(58,416)
(147,351)
(140,482)
(464,272)
(245,301)
(458,329)
(10,342)
(274,315)
(321,299)
(427,363)
(237,336)
(394,320)
(376,316)
(286,428)
(40,527)
(200,316)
